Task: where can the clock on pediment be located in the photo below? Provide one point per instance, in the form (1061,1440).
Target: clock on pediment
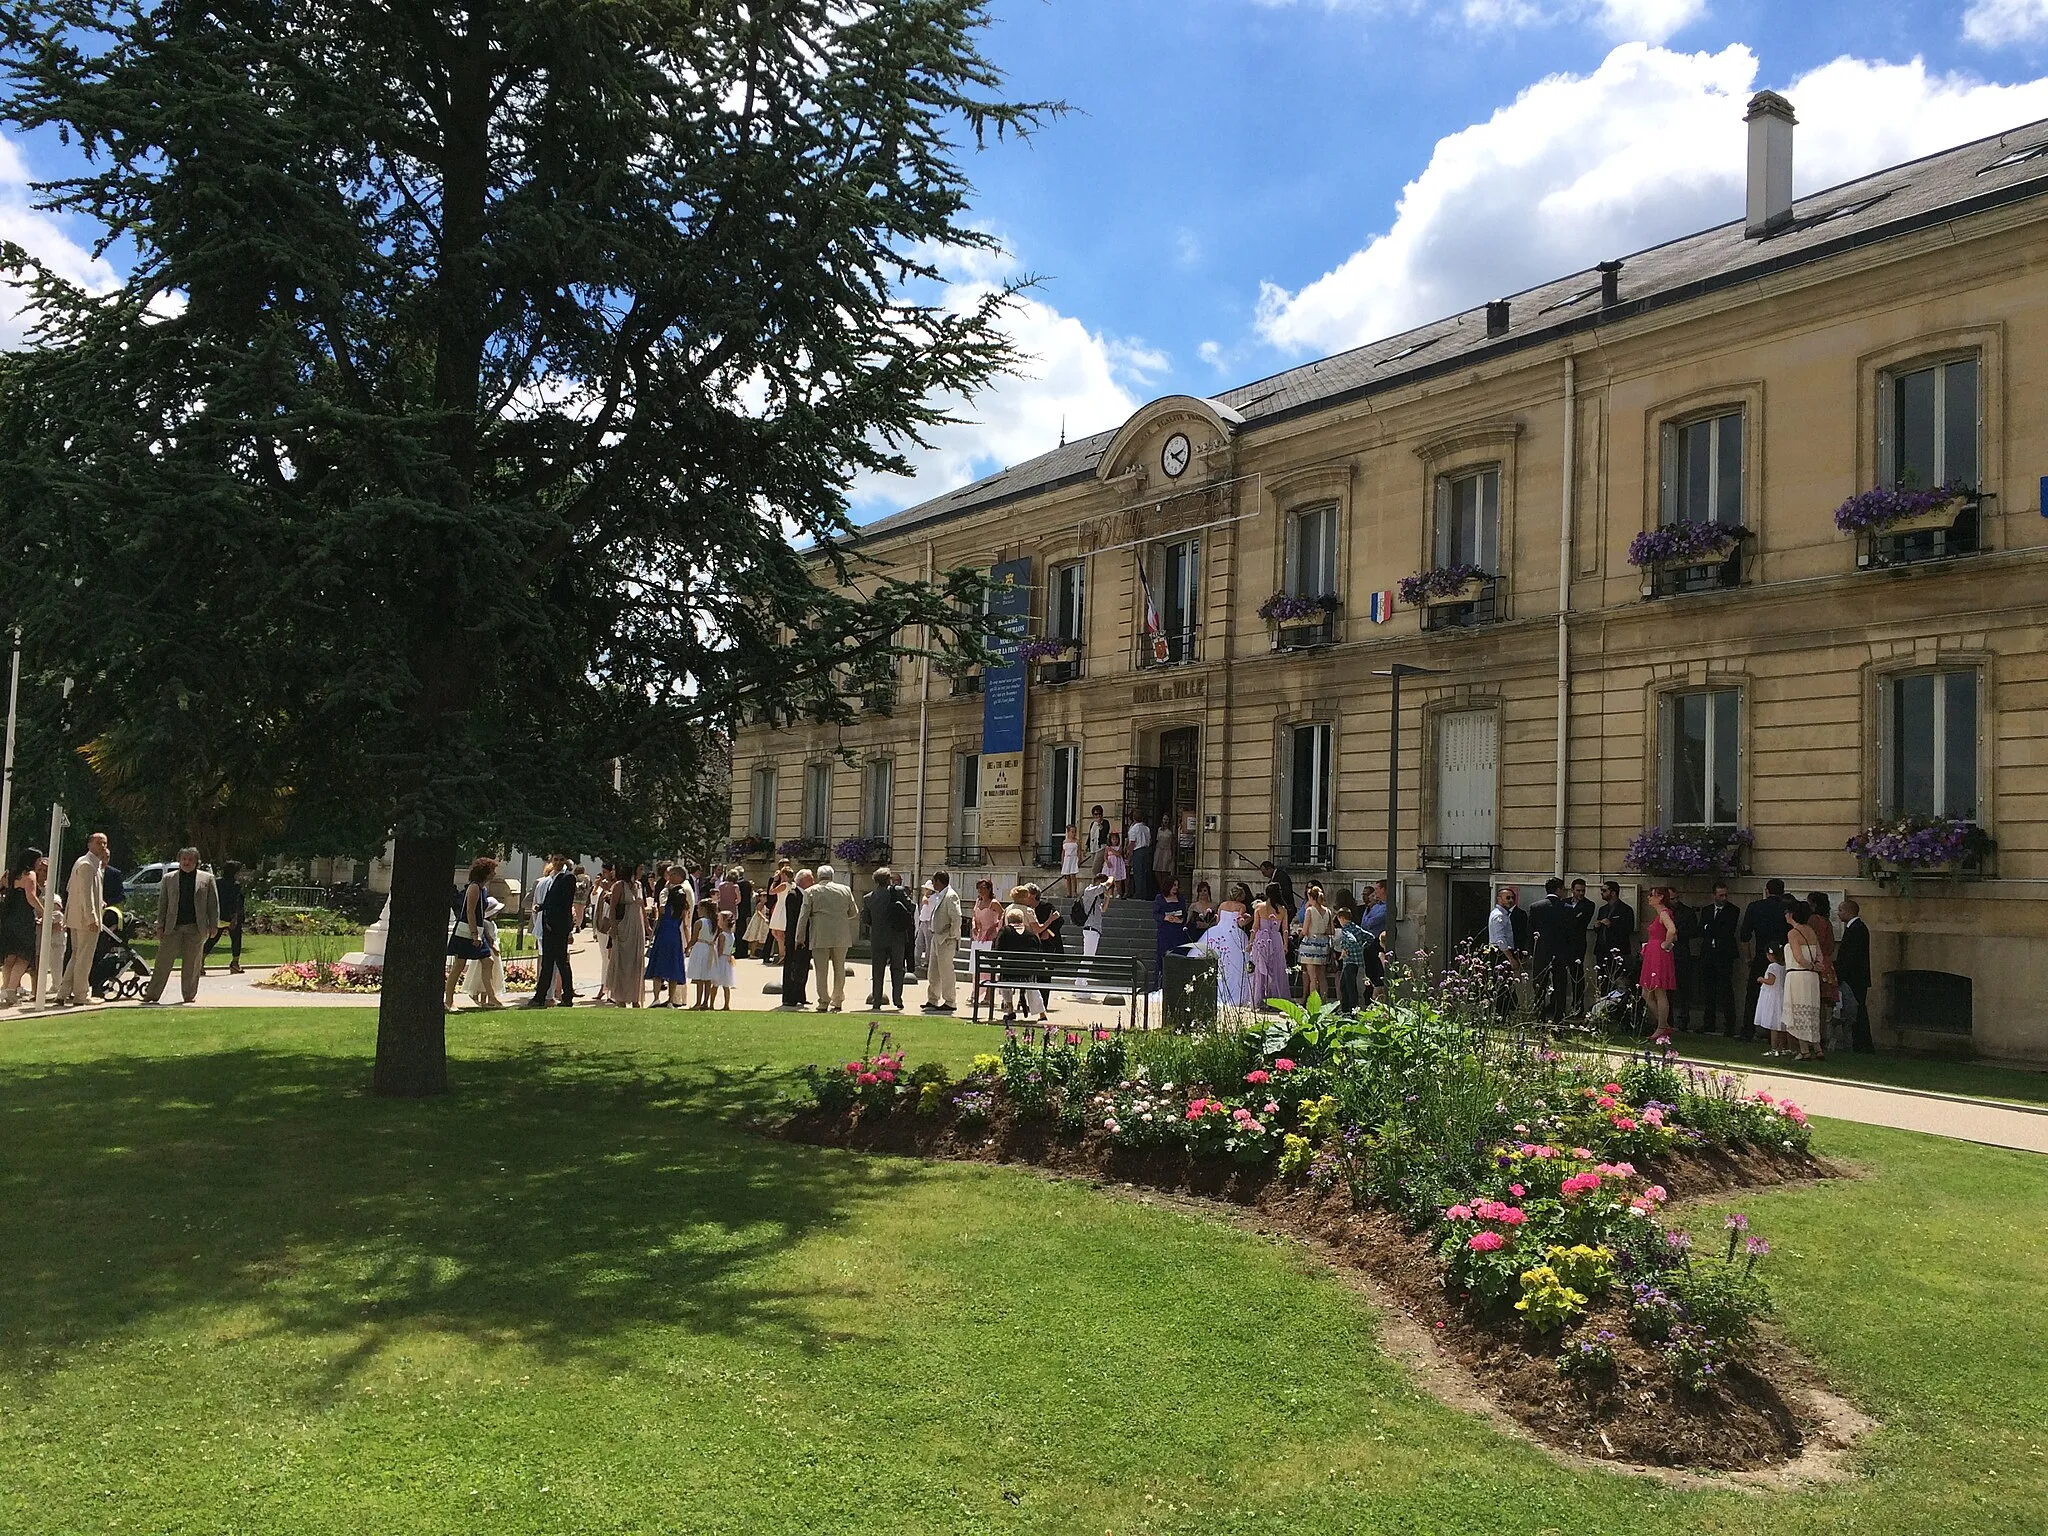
(1174,455)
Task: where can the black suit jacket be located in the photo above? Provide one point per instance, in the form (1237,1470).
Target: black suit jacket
(1720,923)
(1852,957)
(1518,920)
(888,914)
(1765,927)
(792,909)
(1550,925)
(1616,926)
(555,904)
(1579,914)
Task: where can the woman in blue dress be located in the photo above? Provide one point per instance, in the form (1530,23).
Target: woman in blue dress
(665,961)
(1169,913)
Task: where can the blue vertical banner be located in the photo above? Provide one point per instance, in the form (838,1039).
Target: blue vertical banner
(1002,708)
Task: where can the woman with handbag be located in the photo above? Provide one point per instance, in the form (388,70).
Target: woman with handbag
(469,940)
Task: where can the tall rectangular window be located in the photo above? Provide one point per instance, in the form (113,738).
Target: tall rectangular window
(878,799)
(1702,476)
(1468,519)
(1066,606)
(1932,768)
(1308,794)
(1175,584)
(1062,792)
(817,818)
(967,804)
(761,809)
(1699,758)
(1929,424)
(1312,553)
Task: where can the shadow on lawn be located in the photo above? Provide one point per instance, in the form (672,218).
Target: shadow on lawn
(559,1199)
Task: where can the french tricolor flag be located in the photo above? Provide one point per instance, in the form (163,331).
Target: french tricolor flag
(1382,606)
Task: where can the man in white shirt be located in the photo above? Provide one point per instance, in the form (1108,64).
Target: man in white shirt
(1500,935)
(1094,903)
(1138,840)
(83,906)
(945,944)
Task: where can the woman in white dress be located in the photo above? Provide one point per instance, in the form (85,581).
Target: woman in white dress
(778,915)
(1229,940)
(701,965)
(1070,860)
(1802,1020)
(723,977)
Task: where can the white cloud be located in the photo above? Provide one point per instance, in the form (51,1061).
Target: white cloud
(1648,147)
(42,237)
(1995,23)
(1070,379)
(1650,21)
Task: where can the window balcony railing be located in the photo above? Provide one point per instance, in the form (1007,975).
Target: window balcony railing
(1944,540)
(966,684)
(1306,634)
(1047,855)
(966,856)
(1484,606)
(878,698)
(1311,850)
(1717,572)
(1469,856)
(1173,648)
(1062,668)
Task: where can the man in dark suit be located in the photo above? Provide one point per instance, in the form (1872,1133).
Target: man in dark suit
(1277,874)
(745,916)
(796,958)
(556,909)
(1614,937)
(1580,916)
(891,923)
(1852,972)
(1550,928)
(1720,949)
(1764,926)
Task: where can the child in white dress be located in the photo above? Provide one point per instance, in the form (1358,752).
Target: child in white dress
(701,965)
(1070,860)
(1770,1005)
(722,969)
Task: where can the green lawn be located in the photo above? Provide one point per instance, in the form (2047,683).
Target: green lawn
(576,1296)
(1973,1078)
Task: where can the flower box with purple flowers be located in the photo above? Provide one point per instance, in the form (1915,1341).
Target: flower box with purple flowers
(1284,609)
(862,850)
(1688,850)
(1037,648)
(1898,509)
(1922,844)
(752,846)
(1443,584)
(1682,544)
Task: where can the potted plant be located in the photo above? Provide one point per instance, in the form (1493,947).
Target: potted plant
(1889,509)
(1295,619)
(1442,585)
(752,846)
(1677,545)
(1688,850)
(800,848)
(1911,846)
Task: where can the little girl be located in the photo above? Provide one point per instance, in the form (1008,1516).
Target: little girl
(722,970)
(703,961)
(1770,1004)
(1114,870)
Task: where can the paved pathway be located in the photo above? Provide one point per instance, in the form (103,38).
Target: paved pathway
(1936,1114)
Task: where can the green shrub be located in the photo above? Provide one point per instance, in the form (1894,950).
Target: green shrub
(1584,1269)
(1296,1153)
(1547,1303)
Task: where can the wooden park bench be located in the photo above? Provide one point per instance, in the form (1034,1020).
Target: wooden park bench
(1076,974)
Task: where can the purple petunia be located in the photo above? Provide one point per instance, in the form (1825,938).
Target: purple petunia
(1677,543)
(1873,511)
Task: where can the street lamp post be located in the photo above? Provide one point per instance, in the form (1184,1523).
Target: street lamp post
(1397,671)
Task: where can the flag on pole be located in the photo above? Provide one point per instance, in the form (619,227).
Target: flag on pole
(1155,632)
(1382,606)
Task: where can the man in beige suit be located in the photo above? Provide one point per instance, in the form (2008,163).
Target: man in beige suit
(938,975)
(187,916)
(826,926)
(83,908)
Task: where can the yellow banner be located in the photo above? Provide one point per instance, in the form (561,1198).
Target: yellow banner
(1001,819)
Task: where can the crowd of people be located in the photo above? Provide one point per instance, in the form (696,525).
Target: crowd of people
(72,942)
(1777,967)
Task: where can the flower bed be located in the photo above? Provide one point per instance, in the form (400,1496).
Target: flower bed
(1682,544)
(1446,583)
(1512,1197)
(1688,850)
(324,976)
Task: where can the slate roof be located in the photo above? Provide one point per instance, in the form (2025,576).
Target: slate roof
(2008,167)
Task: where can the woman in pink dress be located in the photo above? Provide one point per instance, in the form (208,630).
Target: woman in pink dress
(1660,971)
(1269,948)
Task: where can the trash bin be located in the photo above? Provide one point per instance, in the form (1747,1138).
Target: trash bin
(1187,989)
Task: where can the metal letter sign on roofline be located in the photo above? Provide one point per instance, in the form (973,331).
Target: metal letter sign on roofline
(1002,683)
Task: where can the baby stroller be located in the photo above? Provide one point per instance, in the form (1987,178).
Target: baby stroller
(117,971)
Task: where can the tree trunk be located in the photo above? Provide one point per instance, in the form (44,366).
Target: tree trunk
(412,1037)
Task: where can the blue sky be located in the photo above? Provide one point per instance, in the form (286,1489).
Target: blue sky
(1245,184)
(1227,196)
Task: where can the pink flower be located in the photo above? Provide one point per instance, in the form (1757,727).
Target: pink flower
(1606,1101)
(1272,1109)
(1764,1098)
(1517,1191)
(868,1079)
(1582,1154)
(1459,1213)
(1610,1087)
(1654,1116)
(1283,1065)
(1579,1184)
(1511,1216)
(887,1077)
(1241,1115)
(1485,1242)
(852,1068)
(1624,1123)
(1258,1077)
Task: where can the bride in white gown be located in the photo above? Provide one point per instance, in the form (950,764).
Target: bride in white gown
(1230,942)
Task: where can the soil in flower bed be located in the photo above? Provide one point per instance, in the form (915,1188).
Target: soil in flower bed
(1757,1416)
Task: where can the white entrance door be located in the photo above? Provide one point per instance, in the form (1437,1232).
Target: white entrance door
(1467,776)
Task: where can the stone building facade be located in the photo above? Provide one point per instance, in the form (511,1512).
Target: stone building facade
(1795,680)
